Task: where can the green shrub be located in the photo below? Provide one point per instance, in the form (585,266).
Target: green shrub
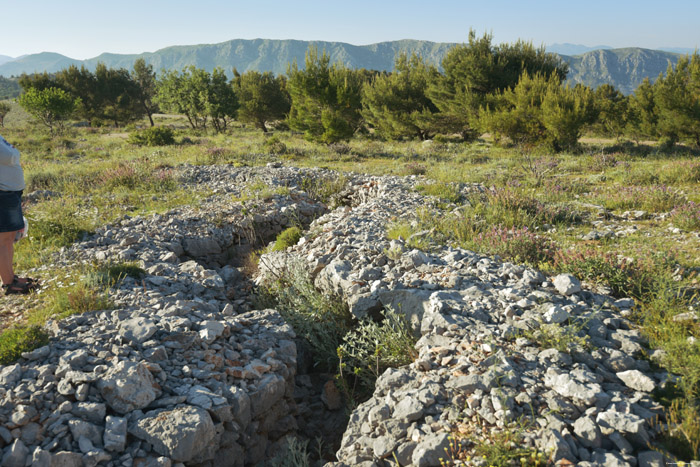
(154,136)
(287,238)
(273,145)
(321,320)
(368,350)
(16,340)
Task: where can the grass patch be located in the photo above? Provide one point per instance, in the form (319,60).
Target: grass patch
(286,238)
(111,274)
(446,191)
(19,339)
(626,277)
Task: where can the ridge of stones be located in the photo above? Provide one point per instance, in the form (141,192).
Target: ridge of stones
(183,371)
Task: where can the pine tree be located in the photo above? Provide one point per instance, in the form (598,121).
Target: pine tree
(476,70)
(326,100)
(677,99)
(612,108)
(145,78)
(396,105)
(262,97)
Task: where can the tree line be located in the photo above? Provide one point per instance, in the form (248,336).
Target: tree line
(515,92)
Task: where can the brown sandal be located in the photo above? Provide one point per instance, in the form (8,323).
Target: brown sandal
(18,288)
(27,280)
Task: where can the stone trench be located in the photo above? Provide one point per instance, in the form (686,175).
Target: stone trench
(185,371)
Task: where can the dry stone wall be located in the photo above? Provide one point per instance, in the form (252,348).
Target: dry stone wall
(184,371)
(482,367)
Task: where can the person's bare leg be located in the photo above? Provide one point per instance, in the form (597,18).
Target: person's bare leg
(7,251)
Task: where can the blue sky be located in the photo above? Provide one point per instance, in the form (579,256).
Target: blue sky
(83,29)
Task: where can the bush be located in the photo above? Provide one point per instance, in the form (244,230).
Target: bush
(368,350)
(287,238)
(325,189)
(154,136)
(20,339)
(273,145)
(320,320)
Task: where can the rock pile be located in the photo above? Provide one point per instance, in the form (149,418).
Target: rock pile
(183,371)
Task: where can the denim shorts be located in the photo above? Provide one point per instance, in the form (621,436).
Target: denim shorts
(11,211)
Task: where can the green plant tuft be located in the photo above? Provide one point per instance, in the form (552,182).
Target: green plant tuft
(287,238)
(19,339)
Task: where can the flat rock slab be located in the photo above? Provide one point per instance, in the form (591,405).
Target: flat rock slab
(180,434)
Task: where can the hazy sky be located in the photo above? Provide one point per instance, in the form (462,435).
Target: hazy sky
(86,28)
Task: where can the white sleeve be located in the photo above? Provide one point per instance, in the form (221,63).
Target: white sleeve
(9,155)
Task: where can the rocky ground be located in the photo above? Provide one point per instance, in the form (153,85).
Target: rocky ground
(184,370)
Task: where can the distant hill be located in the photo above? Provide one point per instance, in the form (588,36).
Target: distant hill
(257,54)
(37,63)
(623,68)
(5,59)
(573,49)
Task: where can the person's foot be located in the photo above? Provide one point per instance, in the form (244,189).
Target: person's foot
(17,287)
(26,280)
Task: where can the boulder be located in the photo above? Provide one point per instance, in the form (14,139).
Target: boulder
(181,434)
(128,386)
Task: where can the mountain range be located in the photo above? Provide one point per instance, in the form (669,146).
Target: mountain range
(623,68)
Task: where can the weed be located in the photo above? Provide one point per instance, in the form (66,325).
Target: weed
(538,168)
(519,245)
(564,338)
(414,168)
(19,339)
(409,233)
(295,455)
(495,447)
(683,429)
(325,189)
(655,198)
